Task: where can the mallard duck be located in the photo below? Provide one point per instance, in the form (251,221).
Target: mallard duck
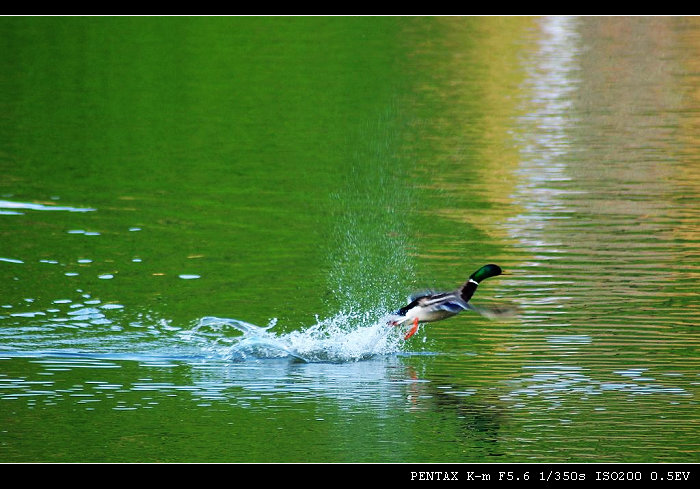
(434,306)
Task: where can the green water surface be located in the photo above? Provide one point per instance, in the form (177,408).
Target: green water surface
(314,171)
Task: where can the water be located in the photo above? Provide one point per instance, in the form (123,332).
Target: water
(204,223)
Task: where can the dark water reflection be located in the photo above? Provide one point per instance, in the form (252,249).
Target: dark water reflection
(570,159)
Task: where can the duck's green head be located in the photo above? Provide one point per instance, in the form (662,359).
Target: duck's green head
(485,272)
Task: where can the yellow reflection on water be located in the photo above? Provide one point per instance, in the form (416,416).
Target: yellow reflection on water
(564,148)
(467,85)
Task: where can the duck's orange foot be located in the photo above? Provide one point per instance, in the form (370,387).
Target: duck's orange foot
(413,330)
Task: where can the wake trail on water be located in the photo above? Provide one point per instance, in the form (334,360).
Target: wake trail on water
(345,337)
(107,331)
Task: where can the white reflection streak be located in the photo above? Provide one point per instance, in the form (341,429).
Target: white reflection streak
(7,204)
(551,80)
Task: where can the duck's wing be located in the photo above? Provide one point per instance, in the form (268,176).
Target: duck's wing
(446,301)
(450,306)
(497,311)
(415,299)
(421,294)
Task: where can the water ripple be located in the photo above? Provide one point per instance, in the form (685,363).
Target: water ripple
(7,204)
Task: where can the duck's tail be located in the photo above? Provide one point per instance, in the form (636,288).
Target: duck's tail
(467,290)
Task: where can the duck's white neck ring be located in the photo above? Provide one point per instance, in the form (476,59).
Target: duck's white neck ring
(473,281)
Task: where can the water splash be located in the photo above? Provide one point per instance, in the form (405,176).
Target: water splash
(85,325)
(345,337)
